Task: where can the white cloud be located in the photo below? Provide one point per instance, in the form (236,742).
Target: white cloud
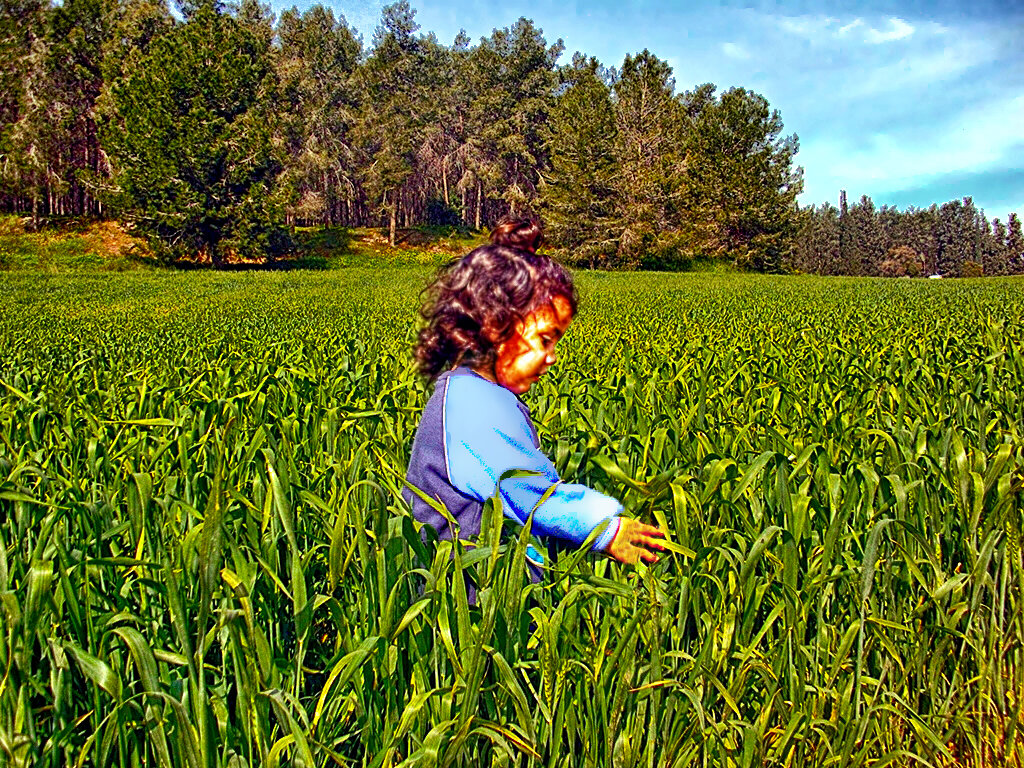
(976,140)
(898,30)
(822,29)
(810,27)
(921,69)
(843,30)
(859,58)
(735,51)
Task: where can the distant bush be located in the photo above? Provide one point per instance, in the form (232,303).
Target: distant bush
(441,214)
(972,269)
(902,261)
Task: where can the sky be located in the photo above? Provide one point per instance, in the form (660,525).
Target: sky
(910,103)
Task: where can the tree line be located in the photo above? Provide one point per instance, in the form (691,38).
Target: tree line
(954,239)
(216,131)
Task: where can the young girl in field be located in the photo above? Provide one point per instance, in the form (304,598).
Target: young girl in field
(492,322)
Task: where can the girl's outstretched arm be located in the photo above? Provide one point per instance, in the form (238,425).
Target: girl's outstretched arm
(486,435)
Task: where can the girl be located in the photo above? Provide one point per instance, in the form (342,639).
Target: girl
(492,322)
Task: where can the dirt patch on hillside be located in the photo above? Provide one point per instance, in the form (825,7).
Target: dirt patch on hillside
(69,244)
(110,240)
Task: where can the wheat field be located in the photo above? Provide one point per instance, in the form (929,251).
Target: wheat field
(205,560)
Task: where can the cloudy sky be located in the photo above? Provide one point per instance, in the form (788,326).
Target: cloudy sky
(911,103)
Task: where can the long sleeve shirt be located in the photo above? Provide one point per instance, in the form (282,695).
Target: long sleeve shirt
(473,431)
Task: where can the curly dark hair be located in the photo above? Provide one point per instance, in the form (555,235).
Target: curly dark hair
(525,233)
(474,304)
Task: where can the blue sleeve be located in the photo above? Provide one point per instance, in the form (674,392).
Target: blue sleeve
(487,435)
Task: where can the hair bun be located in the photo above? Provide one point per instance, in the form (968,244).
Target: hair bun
(517,232)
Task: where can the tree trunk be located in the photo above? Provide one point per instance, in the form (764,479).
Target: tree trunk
(394,221)
(479,201)
(444,178)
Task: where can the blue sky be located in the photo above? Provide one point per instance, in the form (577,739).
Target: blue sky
(910,103)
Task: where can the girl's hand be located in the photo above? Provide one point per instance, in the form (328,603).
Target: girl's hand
(634,541)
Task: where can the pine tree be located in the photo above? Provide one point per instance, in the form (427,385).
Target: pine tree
(26,133)
(741,185)
(136,24)
(649,155)
(997,262)
(316,66)
(578,190)
(189,132)
(817,246)
(955,228)
(846,255)
(889,226)
(79,32)
(511,80)
(869,245)
(433,187)
(1014,245)
(395,114)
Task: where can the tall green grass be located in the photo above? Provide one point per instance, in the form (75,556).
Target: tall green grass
(205,561)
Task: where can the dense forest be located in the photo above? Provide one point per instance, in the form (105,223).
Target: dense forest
(218,129)
(954,239)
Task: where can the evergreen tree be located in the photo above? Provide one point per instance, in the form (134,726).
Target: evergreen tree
(649,155)
(826,237)
(889,225)
(954,239)
(258,18)
(22,25)
(992,260)
(915,230)
(431,194)
(578,189)
(1014,245)
(997,262)
(80,29)
(741,186)
(817,246)
(951,249)
(396,110)
(868,242)
(317,62)
(136,24)
(26,133)
(511,81)
(189,133)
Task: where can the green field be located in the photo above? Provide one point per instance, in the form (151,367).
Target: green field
(204,559)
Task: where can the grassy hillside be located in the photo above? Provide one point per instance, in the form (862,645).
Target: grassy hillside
(72,245)
(107,246)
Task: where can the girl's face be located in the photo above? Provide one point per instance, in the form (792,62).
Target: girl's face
(530,351)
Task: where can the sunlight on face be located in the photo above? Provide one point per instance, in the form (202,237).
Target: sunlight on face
(530,351)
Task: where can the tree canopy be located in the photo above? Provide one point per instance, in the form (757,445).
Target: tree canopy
(189,131)
(215,131)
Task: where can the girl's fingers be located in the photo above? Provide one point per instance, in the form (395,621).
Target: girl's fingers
(639,541)
(651,543)
(646,541)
